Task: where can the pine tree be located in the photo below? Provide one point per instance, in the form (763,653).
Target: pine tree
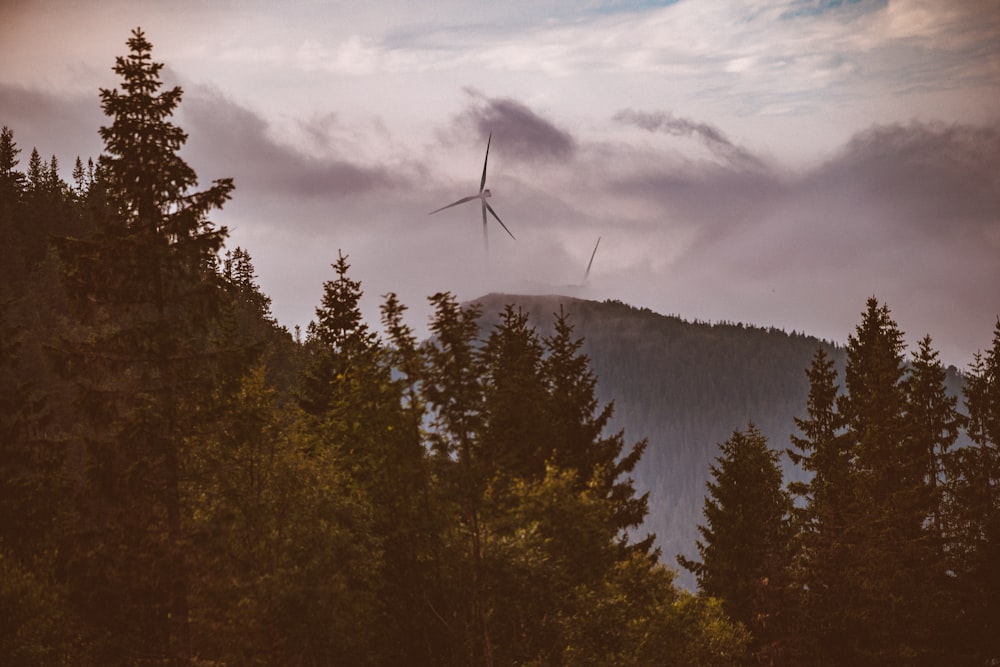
(12,195)
(36,177)
(516,438)
(453,391)
(745,546)
(933,418)
(145,299)
(893,576)
(934,427)
(53,182)
(577,430)
(9,176)
(339,344)
(362,415)
(826,523)
(974,509)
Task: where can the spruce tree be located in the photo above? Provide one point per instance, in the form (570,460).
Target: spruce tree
(145,298)
(12,181)
(974,508)
(339,345)
(454,394)
(825,522)
(12,195)
(934,426)
(515,438)
(892,575)
(578,425)
(933,417)
(745,545)
(360,414)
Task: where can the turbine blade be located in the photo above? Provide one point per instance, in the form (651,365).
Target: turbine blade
(591,262)
(487,206)
(482,183)
(486,243)
(460,201)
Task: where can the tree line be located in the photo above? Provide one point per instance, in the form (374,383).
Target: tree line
(182,482)
(889,554)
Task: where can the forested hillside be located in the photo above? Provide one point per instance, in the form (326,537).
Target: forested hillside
(686,387)
(184,483)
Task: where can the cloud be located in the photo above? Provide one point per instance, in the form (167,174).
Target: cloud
(525,133)
(935,178)
(711,136)
(231,140)
(907,212)
(62,124)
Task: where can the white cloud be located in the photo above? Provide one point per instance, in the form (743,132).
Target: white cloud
(344,123)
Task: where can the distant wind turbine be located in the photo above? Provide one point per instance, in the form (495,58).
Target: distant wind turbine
(586,276)
(484,193)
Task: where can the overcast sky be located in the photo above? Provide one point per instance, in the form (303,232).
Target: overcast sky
(774,163)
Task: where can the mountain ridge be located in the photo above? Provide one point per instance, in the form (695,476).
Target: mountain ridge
(684,387)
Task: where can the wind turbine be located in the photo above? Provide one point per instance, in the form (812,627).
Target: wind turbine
(586,276)
(484,193)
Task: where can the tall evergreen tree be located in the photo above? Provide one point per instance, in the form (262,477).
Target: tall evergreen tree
(145,297)
(359,412)
(934,426)
(340,346)
(36,176)
(516,438)
(974,508)
(12,190)
(454,393)
(825,522)
(894,589)
(745,546)
(12,181)
(577,431)
(535,416)
(934,422)
(80,184)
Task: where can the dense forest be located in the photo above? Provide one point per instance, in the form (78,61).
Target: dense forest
(183,482)
(686,387)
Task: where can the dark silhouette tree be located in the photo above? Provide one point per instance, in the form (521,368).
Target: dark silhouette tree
(746,538)
(454,394)
(826,522)
(973,499)
(145,296)
(515,438)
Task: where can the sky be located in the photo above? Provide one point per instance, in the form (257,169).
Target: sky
(773,163)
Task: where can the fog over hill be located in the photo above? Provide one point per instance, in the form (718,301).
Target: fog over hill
(685,386)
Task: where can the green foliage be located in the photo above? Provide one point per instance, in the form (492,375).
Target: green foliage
(683,386)
(144,302)
(33,620)
(745,552)
(973,508)
(875,534)
(200,489)
(289,563)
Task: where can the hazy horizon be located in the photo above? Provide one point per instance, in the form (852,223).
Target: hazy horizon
(774,165)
